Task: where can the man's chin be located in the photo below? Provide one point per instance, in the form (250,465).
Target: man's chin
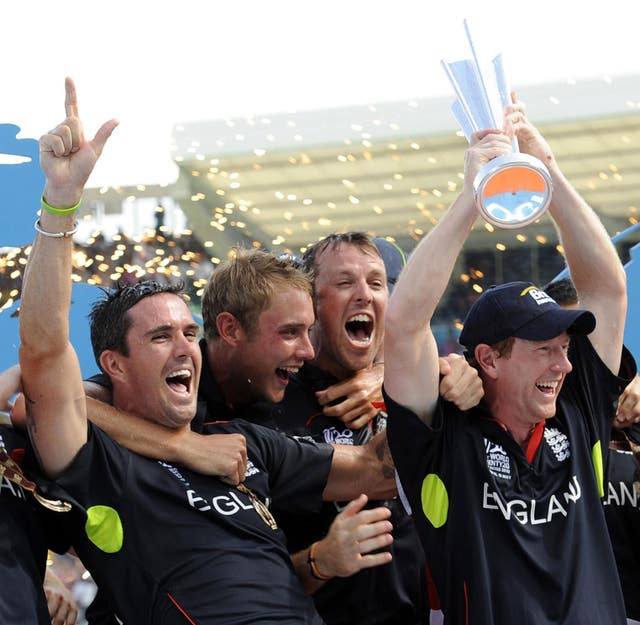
(180,417)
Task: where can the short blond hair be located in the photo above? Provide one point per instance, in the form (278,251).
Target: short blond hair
(245,285)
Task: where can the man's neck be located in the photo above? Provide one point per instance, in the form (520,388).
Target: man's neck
(232,386)
(521,429)
(331,366)
(521,433)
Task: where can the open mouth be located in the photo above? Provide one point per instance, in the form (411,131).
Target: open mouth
(359,329)
(180,381)
(284,373)
(548,388)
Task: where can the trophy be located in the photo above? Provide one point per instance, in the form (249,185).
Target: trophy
(511,191)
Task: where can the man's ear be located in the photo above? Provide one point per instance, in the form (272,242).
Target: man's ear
(110,363)
(229,328)
(486,357)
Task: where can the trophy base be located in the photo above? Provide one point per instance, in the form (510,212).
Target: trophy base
(513,191)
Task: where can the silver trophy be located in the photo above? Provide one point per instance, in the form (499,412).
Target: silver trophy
(511,191)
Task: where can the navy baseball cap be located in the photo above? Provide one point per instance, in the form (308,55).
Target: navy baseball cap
(523,310)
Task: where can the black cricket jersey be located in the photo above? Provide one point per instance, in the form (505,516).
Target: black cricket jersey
(27,530)
(510,541)
(622,513)
(391,593)
(171,546)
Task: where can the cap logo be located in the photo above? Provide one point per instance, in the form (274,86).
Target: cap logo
(540,297)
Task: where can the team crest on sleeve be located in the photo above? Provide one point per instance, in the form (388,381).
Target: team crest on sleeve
(498,462)
(558,442)
(251,469)
(338,437)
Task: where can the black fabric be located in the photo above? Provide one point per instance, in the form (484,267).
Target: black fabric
(26,531)
(100,611)
(388,594)
(622,501)
(193,547)
(508,541)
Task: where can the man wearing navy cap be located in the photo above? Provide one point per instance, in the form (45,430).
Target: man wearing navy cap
(507,496)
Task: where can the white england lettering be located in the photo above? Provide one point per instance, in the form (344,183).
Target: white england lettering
(505,509)
(612,495)
(628,495)
(534,520)
(574,490)
(521,515)
(532,511)
(621,494)
(223,504)
(13,489)
(244,506)
(486,497)
(555,506)
(197,502)
(230,507)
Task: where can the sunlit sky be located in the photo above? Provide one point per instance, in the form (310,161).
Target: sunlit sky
(154,64)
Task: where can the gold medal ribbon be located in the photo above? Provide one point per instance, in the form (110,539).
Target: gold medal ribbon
(259,506)
(10,469)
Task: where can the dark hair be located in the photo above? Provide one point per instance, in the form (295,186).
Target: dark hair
(563,291)
(359,239)
(109,319)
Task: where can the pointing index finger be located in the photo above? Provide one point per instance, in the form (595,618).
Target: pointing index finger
(70,99)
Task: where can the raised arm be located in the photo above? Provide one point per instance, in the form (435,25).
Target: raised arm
(51,376)
(411,353)
(595,267)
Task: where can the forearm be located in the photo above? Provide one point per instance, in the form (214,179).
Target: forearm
(595,269)
(46,291)
(591,256)
(219,455)
(144,437)
(300,561)
(360,469)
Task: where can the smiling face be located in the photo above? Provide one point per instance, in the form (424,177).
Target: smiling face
(158,380)
(279,345)
(351,296)
(528,381)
